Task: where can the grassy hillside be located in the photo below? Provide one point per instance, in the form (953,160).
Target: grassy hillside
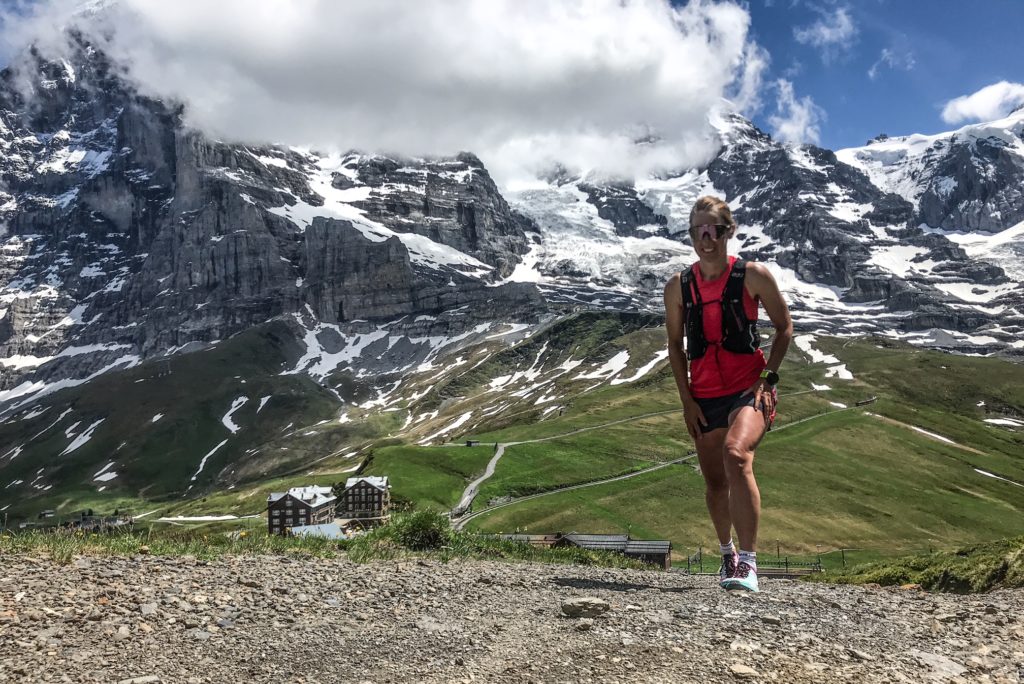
(855,477)
(587,398)
(155,423)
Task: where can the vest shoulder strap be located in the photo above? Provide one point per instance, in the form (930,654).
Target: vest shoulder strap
(737,278)
(691,294)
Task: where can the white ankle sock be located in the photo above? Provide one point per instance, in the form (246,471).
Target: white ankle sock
(727,549)
(750,558)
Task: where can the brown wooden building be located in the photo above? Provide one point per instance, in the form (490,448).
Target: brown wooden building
(299,506)
(366,498)
(655,552)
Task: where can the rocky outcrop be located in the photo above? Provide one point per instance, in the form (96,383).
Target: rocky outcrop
(978,185)
(619,203)
(450,201)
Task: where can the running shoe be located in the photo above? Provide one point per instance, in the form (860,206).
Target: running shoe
(744,579)
(728,567)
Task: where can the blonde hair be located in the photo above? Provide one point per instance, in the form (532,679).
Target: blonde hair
(712,205)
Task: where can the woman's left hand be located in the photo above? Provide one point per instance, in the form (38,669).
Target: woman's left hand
(764,398)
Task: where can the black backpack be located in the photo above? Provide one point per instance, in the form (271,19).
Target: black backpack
(739,333)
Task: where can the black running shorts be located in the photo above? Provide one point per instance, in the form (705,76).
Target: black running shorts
(718,409)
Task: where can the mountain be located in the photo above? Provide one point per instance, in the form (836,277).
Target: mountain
(156,284)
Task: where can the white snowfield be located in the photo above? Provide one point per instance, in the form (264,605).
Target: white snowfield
(900,164)
(458,422)
(611,368)
(933,435)
(1006,422)
(643,370)
(839,371)
(227,419)
(202,463)
(82,438)
(997,477)
(105,474)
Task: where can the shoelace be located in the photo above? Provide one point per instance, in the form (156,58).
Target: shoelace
(729,565)
(742,570)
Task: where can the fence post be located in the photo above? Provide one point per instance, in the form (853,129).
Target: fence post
(787,564)
(843,551)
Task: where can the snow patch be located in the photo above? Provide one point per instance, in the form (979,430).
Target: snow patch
(997,477)
(1007,422)
(84,437)
(228,422)
(643,370)
(202,463)
(611,367)
(458,422)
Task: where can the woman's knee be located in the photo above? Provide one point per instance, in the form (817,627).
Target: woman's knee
(716,486)
(738,457)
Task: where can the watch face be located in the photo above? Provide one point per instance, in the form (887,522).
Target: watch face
(771,377)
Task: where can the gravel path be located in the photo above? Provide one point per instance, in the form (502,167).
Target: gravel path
(270,618)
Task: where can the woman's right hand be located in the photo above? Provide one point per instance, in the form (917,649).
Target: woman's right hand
(694,418)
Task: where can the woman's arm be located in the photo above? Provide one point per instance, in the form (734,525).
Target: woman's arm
(761,285)
(674,322)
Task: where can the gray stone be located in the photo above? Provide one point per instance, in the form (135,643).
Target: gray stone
(743,671)
(587,607)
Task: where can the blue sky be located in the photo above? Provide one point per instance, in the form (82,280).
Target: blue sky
(935,51)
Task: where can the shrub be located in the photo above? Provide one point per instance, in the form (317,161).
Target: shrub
(420,530)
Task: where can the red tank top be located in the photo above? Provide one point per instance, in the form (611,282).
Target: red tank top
(720,372)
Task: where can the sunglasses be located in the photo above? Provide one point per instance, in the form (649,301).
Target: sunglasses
(709,231)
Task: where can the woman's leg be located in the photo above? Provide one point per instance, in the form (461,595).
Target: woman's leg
(716,483)
(745,431)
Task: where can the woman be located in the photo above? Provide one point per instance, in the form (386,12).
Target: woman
(728,391)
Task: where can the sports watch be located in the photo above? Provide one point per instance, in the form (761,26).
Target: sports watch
(770,376)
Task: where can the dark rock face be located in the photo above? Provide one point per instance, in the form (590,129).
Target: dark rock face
(353,277)
(619,203)
(978,185)
(451,201)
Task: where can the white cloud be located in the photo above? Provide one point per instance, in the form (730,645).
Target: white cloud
(832,34)
(893,60)
(519,83)
(991,102)
(747,95)
(796,120)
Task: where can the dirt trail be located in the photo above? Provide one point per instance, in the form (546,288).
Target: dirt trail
(280,619)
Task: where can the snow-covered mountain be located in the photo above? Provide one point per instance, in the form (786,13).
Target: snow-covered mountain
(847,234)
(126,237)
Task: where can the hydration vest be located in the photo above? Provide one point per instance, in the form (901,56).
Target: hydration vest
(739,333)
